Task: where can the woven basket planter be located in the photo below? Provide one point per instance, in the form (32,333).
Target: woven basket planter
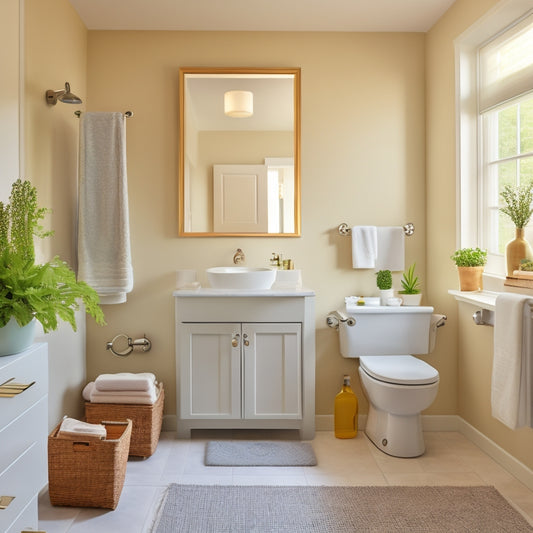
(146,420)
(88,472)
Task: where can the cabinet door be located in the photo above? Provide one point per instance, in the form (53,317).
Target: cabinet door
(210,369)
(272,371)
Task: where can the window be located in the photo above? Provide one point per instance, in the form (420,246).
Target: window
(495,114)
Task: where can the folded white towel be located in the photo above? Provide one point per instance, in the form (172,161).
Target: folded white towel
(129,397)
(142,381)
(70,427)
(364,246)
(390,248)
(104,256)
(509,371)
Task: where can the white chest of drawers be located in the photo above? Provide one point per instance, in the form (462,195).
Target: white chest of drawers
(23,438)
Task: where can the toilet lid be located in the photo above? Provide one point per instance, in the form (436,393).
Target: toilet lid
(399,369)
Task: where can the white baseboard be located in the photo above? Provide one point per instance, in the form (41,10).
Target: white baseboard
(505,459)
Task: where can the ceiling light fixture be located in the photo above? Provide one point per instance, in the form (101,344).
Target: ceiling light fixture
(239,104)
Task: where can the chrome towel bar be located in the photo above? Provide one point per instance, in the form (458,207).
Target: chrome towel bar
(344,229)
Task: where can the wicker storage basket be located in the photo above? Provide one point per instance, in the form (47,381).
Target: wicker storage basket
(88,472)
(146,420)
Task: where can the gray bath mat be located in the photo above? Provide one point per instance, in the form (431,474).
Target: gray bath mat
(259,453)
(239,509)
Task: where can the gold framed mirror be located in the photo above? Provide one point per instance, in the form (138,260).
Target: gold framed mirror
(239,164)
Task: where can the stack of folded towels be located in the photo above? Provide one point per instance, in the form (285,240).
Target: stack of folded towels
(72,428)
(124,387)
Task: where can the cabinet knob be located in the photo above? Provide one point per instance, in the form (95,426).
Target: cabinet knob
(235,341)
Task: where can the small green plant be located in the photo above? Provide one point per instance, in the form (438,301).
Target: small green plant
(384,280)
(28,290)
(518,201)
(469,257)
(526,265)
(410,282)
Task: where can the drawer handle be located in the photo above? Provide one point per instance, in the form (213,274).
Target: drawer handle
(5,501)
(9,388)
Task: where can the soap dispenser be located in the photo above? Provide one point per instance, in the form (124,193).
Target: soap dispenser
(346,411)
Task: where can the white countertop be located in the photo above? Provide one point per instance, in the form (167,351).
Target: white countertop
(241,293)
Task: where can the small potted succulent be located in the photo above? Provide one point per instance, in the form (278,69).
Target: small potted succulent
(470,265)
(30,291)
(410,293)
(384,283)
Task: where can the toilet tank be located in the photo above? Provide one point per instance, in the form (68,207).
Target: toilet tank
(383,330)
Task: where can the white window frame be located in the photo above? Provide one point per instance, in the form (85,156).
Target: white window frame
(468,123)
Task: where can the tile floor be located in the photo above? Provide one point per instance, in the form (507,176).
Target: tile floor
(450,459)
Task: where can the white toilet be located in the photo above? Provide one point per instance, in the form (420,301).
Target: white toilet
(398,386)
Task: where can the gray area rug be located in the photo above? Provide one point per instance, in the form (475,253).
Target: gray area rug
(259,453)
(239,509)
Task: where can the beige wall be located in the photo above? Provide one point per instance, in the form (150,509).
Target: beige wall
(472,344)
(362,163)
(55,52)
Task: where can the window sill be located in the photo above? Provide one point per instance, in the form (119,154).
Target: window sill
(481,299)
(486,299)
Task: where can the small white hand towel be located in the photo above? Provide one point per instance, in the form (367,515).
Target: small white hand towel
(70,427)
(104,256)
(364,246)
(390,248)
(511,347)
(129,397)
(125,381)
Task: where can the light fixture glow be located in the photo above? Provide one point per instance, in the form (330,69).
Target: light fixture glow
(239,104)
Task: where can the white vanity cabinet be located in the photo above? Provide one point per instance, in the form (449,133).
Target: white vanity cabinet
(23,438)
(246,360)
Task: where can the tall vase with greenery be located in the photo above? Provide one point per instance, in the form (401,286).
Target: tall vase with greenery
(29,291)
(518,200)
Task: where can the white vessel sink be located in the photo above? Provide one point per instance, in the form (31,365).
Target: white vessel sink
(241,277)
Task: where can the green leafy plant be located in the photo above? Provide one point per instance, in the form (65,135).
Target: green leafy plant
(518,201)
(28,290)
(469,257)
(384,280)
(410,282)
(526,265)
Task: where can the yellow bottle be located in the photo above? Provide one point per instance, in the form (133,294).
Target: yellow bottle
(346,410)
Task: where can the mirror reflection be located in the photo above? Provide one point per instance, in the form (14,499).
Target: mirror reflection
(239,156)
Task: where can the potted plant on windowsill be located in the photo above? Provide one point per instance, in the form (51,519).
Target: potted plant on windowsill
(410,294)
(470,265)
(384,283)
(518,208)
(30,291)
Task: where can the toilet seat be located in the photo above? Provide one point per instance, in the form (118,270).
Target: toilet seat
(399,369)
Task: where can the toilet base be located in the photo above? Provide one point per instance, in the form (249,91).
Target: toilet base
(396,435)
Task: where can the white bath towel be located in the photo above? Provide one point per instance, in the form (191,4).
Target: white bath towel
(70,427)
(129,397)
(390,248)
(509,371)
(364,246)
(125,381)
(104,255)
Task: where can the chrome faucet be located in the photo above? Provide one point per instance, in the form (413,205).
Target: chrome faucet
(239,257)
